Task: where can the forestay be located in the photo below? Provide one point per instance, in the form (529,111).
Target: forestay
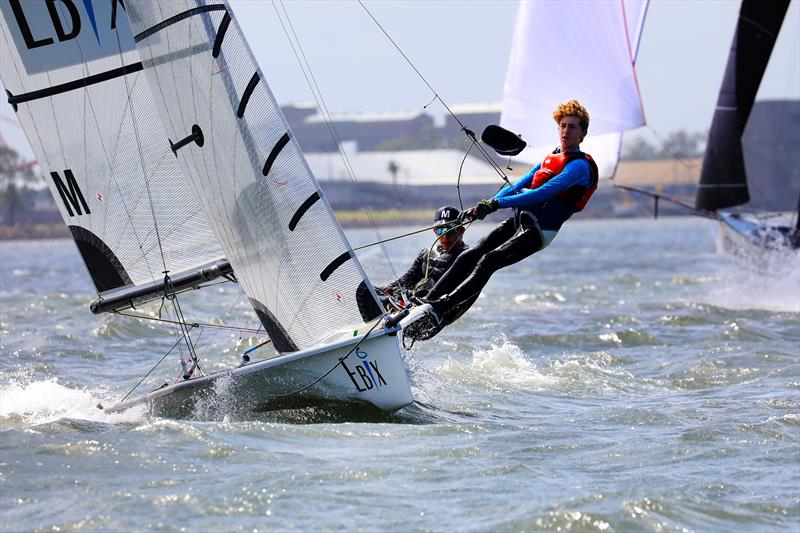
(74,78)
(584,50)
(229,135)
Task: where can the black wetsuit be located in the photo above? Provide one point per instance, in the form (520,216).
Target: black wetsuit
(414,279)
(501,247)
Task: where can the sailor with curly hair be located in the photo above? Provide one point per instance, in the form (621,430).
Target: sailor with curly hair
(541,201)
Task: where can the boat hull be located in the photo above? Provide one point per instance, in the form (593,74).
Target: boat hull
(371,372)
(758,245)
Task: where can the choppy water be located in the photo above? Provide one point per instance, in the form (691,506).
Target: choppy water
(626,379)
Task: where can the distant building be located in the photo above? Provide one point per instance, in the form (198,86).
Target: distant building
(404,168)
(370,131)
(297,112)
(474,116)
(386,131)
(658,173)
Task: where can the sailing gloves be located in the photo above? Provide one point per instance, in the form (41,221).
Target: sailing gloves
(484,208)
(387,290)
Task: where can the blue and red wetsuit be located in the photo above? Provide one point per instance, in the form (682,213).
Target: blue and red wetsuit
(554,189)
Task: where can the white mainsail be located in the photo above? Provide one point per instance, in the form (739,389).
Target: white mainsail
(276,227)
(74,77)
(584,49)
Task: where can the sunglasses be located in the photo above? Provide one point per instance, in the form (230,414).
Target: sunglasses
(441,230)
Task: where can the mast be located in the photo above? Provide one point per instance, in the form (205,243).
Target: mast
(723,180)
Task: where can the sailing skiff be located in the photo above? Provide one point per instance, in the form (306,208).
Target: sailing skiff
(173,167)
(755,235)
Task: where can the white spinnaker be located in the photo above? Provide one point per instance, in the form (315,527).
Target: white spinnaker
(250,175)
(103,142)
(584,49)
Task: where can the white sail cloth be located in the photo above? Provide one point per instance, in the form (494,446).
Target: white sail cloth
(583,49)
(75,79)
(275,225)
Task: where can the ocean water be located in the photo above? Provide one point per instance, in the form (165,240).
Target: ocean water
(628,378)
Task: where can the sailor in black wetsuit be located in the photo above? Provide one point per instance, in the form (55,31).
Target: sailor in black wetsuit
(430,263)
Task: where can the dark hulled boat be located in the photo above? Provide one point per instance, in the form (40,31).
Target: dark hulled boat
(753,211)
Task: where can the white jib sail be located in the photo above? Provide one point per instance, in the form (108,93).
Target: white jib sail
(275,225)
(74,76)
(585,49)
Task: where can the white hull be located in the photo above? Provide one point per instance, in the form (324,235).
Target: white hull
(374,373)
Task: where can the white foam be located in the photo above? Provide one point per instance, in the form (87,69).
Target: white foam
(41,402)
(499,367)
(741,288)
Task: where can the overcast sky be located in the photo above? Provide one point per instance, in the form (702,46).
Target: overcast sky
(462,48)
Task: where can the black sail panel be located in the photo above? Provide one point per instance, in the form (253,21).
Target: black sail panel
(723,180)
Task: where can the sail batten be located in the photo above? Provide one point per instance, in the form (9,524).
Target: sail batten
(199,10)
(124,70)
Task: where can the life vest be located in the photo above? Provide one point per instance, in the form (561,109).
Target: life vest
(553,165)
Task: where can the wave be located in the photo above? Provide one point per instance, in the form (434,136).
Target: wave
(498,368)
(47,402)
(741,288)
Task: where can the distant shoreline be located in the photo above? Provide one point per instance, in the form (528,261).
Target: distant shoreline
(348,219)
(46,230)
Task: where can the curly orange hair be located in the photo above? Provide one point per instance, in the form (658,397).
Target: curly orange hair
(573,108)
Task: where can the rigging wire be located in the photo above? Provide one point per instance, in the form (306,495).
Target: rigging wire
(691,165)
(190,324)
(305,67)
(169,294)
(435,242)
(469,133)
(458,181)
(404,235)
(754,187)
(151,370)
(169,290)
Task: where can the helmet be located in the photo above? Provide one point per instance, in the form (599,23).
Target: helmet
(445,215)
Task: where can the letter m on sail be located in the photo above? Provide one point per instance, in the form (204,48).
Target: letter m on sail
(70,193)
